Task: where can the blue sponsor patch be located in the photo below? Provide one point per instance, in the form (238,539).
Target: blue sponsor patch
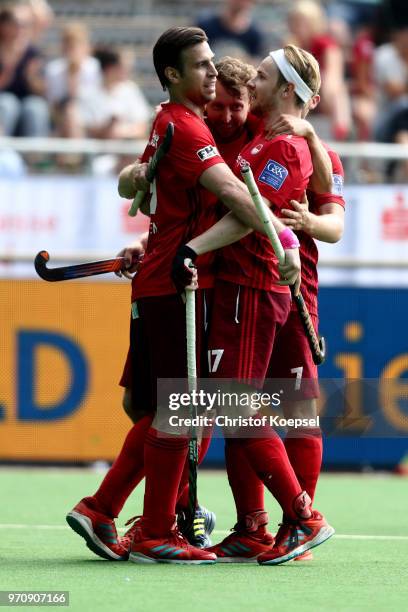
(337,184)
(273,174)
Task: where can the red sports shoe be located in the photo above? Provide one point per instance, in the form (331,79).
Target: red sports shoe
(296,537)
(173,548)
(246,542)
(127,538)
(307,556)
(97,529)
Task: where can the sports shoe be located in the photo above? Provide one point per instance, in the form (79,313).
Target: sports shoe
(173,548)
(127,538)
(97,529)
(296,537)
(198,534)
(307,556)
(247,540)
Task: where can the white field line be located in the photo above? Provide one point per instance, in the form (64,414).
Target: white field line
(339,536)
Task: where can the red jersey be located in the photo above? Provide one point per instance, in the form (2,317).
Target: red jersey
(309,254)
(180,208)
(281,168)
(318,47)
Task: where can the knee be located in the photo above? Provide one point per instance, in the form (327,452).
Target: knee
(127,403)
(35,116)
(133,413)
(10,107)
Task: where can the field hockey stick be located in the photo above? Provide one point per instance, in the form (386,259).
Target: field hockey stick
(192,386)
(152,167)
(317,345)
(91,268)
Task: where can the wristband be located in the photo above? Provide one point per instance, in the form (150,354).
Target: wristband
(288,239)
(187,252)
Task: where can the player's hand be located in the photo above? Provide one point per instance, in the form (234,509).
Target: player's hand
(288,124)
(183,270)
(138,176)
(300,217)
(290,270)
(133,255)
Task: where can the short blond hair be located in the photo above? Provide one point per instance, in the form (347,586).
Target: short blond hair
(313,12)
(75,30)
(233,74)
(307,67)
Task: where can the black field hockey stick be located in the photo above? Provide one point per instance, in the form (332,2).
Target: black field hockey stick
(152,167)
(317,345)
(91,268)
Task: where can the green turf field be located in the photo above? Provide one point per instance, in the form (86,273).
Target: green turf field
(364,567)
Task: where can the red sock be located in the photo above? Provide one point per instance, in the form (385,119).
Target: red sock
(182,499)
(247,488)
(126,472)
(305,454)
(164,460)
(267,457)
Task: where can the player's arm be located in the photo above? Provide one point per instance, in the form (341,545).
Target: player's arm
(221,181)
(226,231)
(327,225)
(321,179)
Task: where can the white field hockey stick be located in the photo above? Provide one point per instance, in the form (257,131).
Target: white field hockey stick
(317,345)
(152,167)
(192,386)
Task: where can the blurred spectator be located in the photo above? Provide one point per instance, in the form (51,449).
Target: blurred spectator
(362,84)
(42,17)
(118,108)
(23,109)
(308,27)
(69,76)
(233,31)
(391,75)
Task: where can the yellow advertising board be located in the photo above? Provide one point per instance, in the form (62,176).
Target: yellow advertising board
(63,347)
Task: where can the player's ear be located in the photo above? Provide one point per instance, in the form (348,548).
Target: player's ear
(172,75)
(288,90)
(314,102)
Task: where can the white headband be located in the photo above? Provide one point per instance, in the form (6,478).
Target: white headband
(287,70)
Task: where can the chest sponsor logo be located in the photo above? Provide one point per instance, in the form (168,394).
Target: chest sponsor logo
(256,149)
(273,174)
(337,184)
(207,152)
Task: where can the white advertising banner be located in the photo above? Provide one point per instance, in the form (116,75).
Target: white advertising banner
(70,216)
(376,234)
(66,216)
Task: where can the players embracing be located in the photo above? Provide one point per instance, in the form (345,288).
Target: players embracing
(189,75)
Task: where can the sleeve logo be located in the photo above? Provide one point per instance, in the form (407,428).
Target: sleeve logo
(337,184)
(273,175)
(207,152)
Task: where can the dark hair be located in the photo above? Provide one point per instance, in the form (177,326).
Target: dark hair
(168,48)
(7,16)
(107,57)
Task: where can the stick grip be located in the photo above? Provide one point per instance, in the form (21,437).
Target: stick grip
(138,199)
(152,167)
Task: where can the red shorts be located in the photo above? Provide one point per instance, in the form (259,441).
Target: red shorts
(158,346)
(292,359)
(242,331)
